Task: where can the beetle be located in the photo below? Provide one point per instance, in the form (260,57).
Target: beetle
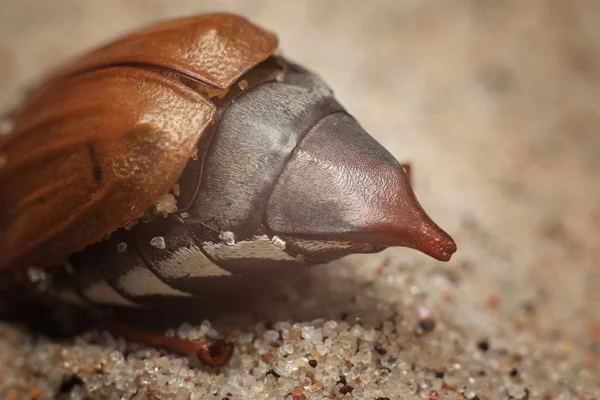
(187,154)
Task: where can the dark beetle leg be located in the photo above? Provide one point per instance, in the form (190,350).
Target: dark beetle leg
(213,353)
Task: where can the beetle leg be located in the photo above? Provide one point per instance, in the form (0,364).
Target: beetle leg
(211,352)
(407,169)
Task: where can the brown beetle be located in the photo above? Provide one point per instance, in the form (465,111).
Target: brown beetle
(266,167)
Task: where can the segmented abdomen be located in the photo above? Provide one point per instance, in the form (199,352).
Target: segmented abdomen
(136,268)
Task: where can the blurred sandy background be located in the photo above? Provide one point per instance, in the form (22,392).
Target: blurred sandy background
(495,102)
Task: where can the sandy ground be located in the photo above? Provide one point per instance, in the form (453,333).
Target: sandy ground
(494,103)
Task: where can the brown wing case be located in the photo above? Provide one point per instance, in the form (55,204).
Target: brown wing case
(90,154)
(216,49)
(108,135)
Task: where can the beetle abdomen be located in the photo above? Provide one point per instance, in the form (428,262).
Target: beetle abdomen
(125,271)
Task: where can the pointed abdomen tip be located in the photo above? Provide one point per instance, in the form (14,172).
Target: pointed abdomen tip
(444,252)
(434,241)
